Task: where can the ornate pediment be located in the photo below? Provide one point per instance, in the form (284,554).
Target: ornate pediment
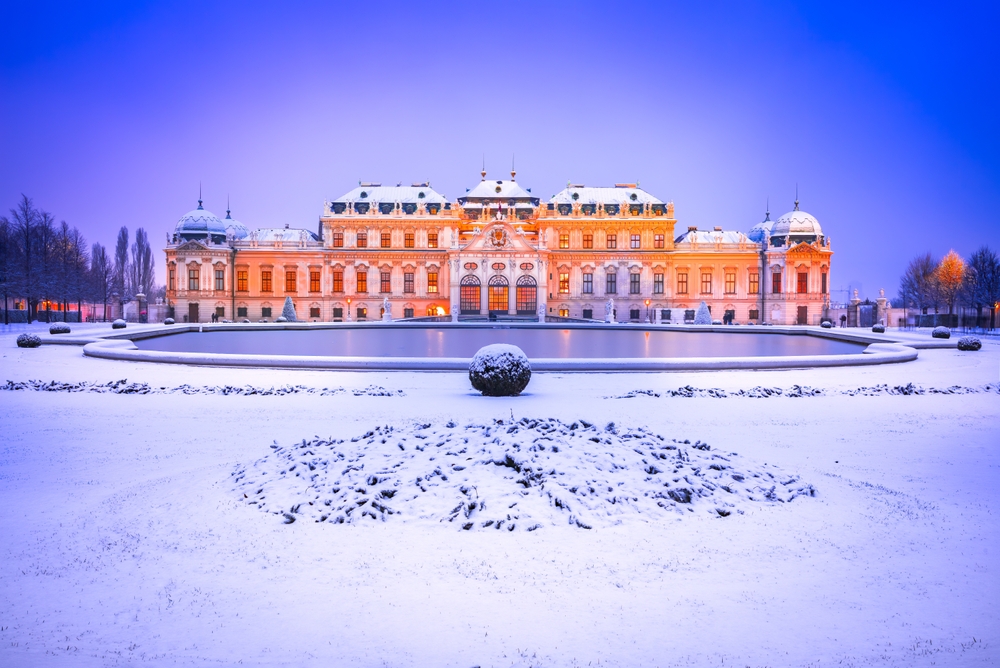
(803,248)
(191,246)
(499,236)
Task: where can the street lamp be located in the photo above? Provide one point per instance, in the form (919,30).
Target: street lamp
(647,311)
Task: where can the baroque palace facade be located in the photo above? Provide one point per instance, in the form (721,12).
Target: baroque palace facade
(499,251)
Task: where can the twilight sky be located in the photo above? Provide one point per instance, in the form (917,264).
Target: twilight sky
(886,117)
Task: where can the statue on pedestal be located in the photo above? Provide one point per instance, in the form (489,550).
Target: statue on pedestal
(386,310)
(609,310)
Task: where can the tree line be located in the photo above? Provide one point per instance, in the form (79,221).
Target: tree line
(46,267)
(954,282)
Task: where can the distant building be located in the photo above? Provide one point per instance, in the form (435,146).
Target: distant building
(498,250)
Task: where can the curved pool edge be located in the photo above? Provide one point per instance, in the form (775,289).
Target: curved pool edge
(122,349)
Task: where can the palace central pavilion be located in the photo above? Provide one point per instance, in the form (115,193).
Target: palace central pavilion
(500,252)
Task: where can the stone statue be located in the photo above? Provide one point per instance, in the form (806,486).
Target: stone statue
(609,310)
(386,310)
(541,312)
(856,293)
(670,209)
(881,293)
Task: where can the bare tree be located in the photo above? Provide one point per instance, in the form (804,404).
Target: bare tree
(982,283)
(102,276)
(6,264)
(918,286)
(142,267)
(123,282)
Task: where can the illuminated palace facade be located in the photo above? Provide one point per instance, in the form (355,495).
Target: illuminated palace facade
(499,251)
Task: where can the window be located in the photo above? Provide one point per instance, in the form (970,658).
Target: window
(776,283)
(730,282)
(588,240)
(265,312)
(241,311)
(588,314)
(469,295)
(564,282)
(242,280)
(633,314)
(754,314)
(657,241)
(803,285)
(386,240)
(526,296)
(635,241)
(432,281)
(822,283)
(338,280)
(362,239)
(192,279)
(407,312)
(754,283)
(588,284)
(665,315)
(338,313)
(682,283)
(313,311)
(432,240)
(498,294)
(408,282)
(633,284)
(313,281)
(338,239)
(563,241)
(385,284)
(612,241)
(408,243)
(362,280)
(689,315)
(564,313)
(362,313)
(173,278)
(291,280)
(220,312)
(657,284)
(706,282)
(611,283)
(220,279)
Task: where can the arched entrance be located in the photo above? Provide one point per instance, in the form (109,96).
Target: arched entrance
(499,295)
(526,296)
(470,296)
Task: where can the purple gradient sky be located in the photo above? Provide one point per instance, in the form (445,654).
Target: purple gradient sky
(111,113)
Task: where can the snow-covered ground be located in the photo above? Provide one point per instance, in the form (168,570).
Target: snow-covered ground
(127,538)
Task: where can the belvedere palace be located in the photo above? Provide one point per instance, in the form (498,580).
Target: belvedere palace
(499,252)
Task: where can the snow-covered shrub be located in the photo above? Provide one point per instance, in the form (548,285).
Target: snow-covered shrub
(878,328)
(826,324)
(969,343)
(245,321)
(288,311)
(941,333)
(281,318)
(28,341)
(118,324)
(59,328)
(716,322)
(168,321)
(703,316)
(500,370)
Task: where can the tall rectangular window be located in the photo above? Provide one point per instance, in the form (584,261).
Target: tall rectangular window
(706,282)
(588,284)
(633,284)
(803,283)
(362,239)
(822,283)
(193,279)
(635,241)
(658,241)
(730,282)
(754,287)
(220,279)
(408,240)
(564,282)
(313,281)
(265,280)
(338,239)
(385,284)
(338,280)
(387,240)
(408,282)
(173,278)
(612,241)
(432,240)
(682,283)
(362,280)
(588,240)
(564,241)
(776,282)
(291,280)
(754,314)
(242,280)
(657,284)
(432,281)
(611,283)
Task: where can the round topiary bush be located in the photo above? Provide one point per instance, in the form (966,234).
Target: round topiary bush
(245,321)
(118,324)
(878,329)
(500,370)
(941,333)
(168,321)
(281,318)
(716,322)
(59,328)
(969,343)
(826,324)
(28,341)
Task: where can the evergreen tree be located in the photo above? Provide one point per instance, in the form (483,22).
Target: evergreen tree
(288,312)
(703,316)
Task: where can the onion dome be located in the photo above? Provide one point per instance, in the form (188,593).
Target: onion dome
(798,226)
(761,230)
(234,227)
(201,224)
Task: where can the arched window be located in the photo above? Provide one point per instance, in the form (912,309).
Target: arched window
(499,294)
(470,296)
(526,296)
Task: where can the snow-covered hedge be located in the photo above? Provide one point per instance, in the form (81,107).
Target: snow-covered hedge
(500,370)
(941,333)
(168,321)
(703,316)
(281,318)
(878,328)
(118,324)
(28,341)
(826,324)
(59,328)
(969,343)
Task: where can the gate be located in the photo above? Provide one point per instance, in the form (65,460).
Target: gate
(867,313)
